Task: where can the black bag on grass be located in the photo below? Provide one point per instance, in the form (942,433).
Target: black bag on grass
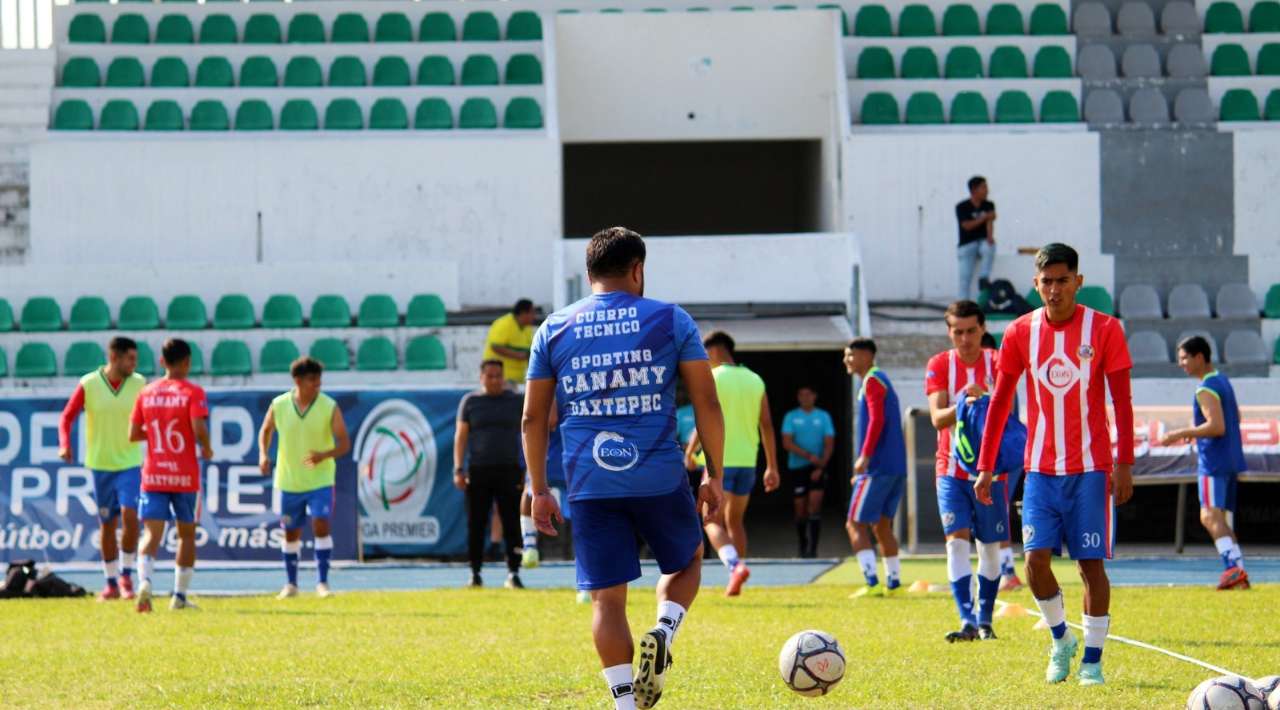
(22,580)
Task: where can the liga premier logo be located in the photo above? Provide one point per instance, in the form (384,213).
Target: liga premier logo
(395,453)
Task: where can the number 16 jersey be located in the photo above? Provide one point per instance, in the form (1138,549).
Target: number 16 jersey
(165,409)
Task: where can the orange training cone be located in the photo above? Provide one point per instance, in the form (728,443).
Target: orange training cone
(1011,611)
(918,587)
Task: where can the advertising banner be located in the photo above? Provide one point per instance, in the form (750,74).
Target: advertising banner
(1259,430)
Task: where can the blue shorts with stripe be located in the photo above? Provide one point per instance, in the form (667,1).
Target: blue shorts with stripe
(875,497)
(114,490)
(1077,509)
(1218,491)
(959,509)
(169,506)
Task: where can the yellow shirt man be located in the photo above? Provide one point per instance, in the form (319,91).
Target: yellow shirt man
(509,340)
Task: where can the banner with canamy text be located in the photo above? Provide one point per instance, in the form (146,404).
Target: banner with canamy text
(1259,430)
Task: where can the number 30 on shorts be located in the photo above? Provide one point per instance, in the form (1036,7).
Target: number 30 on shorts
(1091,539)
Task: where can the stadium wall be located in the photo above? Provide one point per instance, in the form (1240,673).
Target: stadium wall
(1257,212)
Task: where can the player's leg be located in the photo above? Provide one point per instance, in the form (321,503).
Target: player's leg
(293,515)
(800,506)
(955,508)
(814,522)
(1042,528)
(321,509)
(1090,536)
(479,504)
(735,512)
(507,493)
(991,525)
(1009,581)
(128,485)
(154,509)
(185,513)
(607,558)
(104,492)
(1217,494)
(863,513)
(530,558)
(893,487)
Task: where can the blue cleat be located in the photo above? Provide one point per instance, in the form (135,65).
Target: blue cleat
(1060,659)
(1090,674)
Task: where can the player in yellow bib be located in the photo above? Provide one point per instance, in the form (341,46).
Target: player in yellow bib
(106,397)
(312,435)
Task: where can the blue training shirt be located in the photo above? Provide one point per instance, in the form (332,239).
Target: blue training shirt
(809,431)
(555,458)
(890,457)
(615,358)
(1219,455)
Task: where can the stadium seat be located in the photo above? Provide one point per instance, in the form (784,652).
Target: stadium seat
(89,313)
(343,115)
(130,28)
(524,25)
(436,71)
(259,71)
(1265,16)
(522,112)
(1179,18)
(1269,59)
(125,72)
(303,71)
(967,107)
(139,313)
(305,28)
(426,310)
(963,63)
(1186,61)
(1140,301)
(1033,298)
(433,114)
(299,115)
(262,29)
(1005,19)
(376,354)
(197,358)
(917,20)
(1188,301)
(118,115)
(871,21)
(330,311)
(35,360)
(1097,298)
(960,21)
(391,71)
(1015,107)
(1223,17)
(231,358)
(1136,19)
(1239,105)
(1236,301)
(523,69)
(81,72)
(83,356)
(437,27)
(186,312)
(219,29)
(425,352)
(1048,19)
(1271,108)
(1244,347)
(924,107)
(170,73)
(875,63)
(347,71)
(844,19)
(1275,358)
(1270,307)
(282,311)
(919,63)
(1193,105)
(1148,105)
(6,315)
(175,29)
(350,27)
(147,363)
(215,72)
(1229,60)
(73,115)
(4,364)
(277,355)
(1213,342)
(392,27)
(164,115)
(1140,61)
(332,353)
(479,70)
(880,108)
(1061,107)
(378,310)
(1096,62)
(480,26)
(1052,62)
(87,29)
(1148,347)
(388,114)
(1090,19)
(1008,63)
(477,113)
(254,115)
(233,312)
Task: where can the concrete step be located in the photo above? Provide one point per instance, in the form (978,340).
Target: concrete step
(23,95)
(33,75)
(24,115)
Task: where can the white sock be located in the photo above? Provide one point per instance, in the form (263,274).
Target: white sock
(958,560)
(182,579)
(528,532)
(110,569)
(892,568)
(128,560)
(670,616)
(144,567)
(1095,630)
(989,560)
(867,561)
(620,680)
(1235,550)
(1006,561)
(729,556)
(1054,612)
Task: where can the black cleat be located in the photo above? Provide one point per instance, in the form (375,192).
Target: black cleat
(476,582)
(986,633)
(513,581)
(968,633)
(651,674)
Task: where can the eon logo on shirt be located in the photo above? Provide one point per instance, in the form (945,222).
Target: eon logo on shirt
(1059,374)
(614,453)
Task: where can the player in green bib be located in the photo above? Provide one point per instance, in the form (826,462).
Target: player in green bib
(312,435)
(106,396)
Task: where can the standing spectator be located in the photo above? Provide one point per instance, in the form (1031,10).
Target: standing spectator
(488,435)
(809,437)
(509,339)
(976,217)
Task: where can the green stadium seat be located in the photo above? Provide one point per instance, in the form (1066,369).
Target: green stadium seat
(130,28)
(376,354)
(1008,63)
(879,108)
(73,115)
(332,353)
(254,115)
(875,63)
(277,355)
(350,27)
(437,27)
(170,73)
(1271,108)
(391,71)
(479,70)
(299,115)
(1048,19)
(118,115)
(1239,105)
(82,357)
(524,26)
(1229,60)
(960,21)
(924,107)
(4,364)
(779,8)
(175,29)
(425,352)
(524,69)
(920,63)
(330,311)
(433,114)
(139,313)
(1052,63)
(1059,107)
(262,28)
(147,363)
(1033,298)
(969,107)
(477,113)
(378,310)
(81,72)
(917,21)
(231,358)
(197,358)
(259,71)
(522,113)
(282,311)
(480,26)
(306,27)
(1269,59)
(220,29)
(303,71)
(426,310)
(125,72)
(1004,19)
(436,71)
(1097,298)
(164,115)
(35,360)
(343,115)
(872,21)
(6,316)
(392,27)
(1223,17)
(215,73)
(41,314)
(1015,107)
(234,311)
(388,114)
(347,71)
(1270,304)
(87,29)
(89,313)
(963,63)
(186,312)
(1265,17)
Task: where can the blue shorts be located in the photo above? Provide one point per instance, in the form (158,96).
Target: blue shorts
(114,490)
(295,508)
(739,481)
(1076,508)
(959,509)
(1217,491)
(169,506)
(605,530)
(875,497)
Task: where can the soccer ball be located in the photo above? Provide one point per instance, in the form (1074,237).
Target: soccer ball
(811,663)
(1270,689)
(1226,692)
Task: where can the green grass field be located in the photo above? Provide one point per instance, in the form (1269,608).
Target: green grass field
(505,649)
